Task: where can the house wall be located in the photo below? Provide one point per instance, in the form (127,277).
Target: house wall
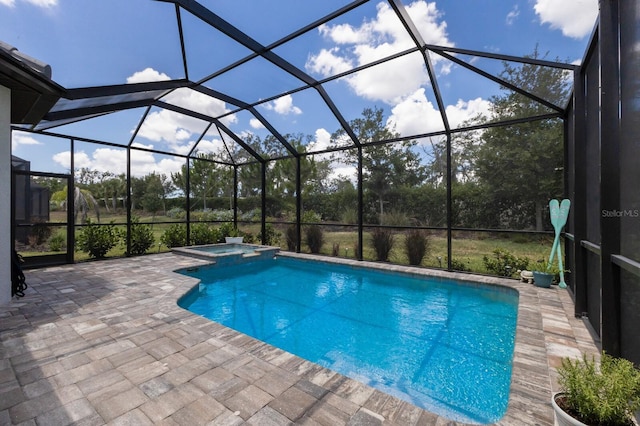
(5,195)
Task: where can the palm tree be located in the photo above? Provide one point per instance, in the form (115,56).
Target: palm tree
(83,201)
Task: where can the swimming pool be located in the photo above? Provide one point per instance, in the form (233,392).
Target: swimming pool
(444,346)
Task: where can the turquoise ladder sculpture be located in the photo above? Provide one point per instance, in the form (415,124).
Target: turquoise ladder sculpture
(559,213)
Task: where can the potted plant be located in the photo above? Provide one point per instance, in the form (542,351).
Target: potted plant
(234,237)
(608,394)
(545,276)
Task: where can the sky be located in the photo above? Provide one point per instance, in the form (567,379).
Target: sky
(102,42)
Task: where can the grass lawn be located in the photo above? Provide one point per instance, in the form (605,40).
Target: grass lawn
(468,248)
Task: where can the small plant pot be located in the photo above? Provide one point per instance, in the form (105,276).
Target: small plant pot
(562,418)
(234,240)
(542,279)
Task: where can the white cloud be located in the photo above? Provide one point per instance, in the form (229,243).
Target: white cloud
(377,39)
(63,158)
(322,141)
(210,146)
(328,62)
(21,138)
(284,106)
(417,115)
(256,124)
(114,160)
(574,18)
(39,3)
(177,130)
(464,110)
(147,75)
(513,15)
(43,3)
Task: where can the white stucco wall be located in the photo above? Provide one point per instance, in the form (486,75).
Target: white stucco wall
(5,195)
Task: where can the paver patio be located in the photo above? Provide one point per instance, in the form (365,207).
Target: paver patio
(105,343)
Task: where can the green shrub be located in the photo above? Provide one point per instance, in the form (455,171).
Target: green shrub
(311,217)
(141,237)
(315,238)
(57,242)
(291,236)
(459,265)
(416,246)
(271,236)
(97,240)
(201,234)
(350,216)
(608,395)
(227,229)
(382,242)
(175,236)
(213,215)
(504,264)
(395,218)
(248,237)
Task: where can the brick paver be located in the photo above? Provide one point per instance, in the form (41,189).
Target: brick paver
(105,342)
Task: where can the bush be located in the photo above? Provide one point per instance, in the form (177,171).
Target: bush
(248,237)
(291,237)
(271,236)
(57,242)
(177,213)
(395,218)
(504,263)
(350,216)
(315,238)
(251,215)
(459,265)
(311,217)
(175,236)
(141,237)
(609,395)
(40,232)
(97,240)
(382,241)
(227,230)
(213,215)
(416,246)
(201,233)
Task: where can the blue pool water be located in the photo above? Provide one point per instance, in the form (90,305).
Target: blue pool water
(441,345)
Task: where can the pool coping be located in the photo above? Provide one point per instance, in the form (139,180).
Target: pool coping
(260,251)
(68,338)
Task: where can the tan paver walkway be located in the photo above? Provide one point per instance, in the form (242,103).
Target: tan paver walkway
(105,343)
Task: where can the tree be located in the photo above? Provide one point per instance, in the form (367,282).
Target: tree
(116,187)
(137,191)
(83,201)
(384,166)
(206,179)
(518,164)
(152,200)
